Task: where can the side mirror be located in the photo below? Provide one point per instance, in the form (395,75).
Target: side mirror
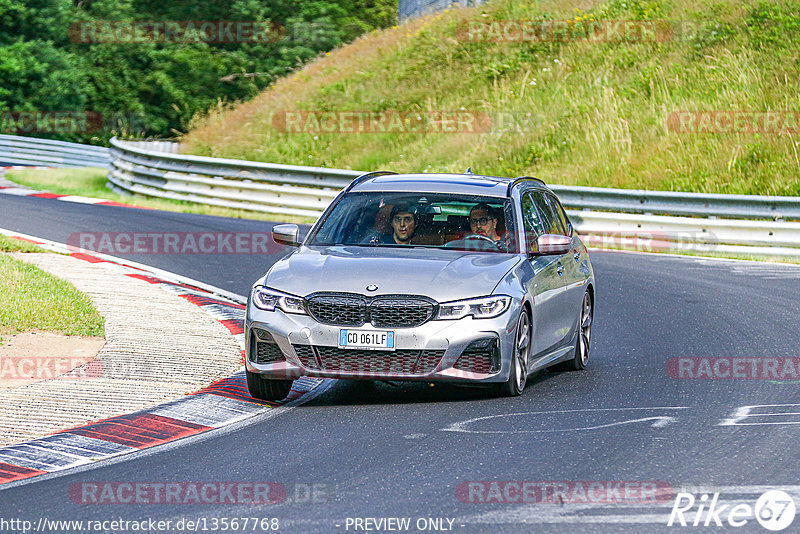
(552,244)
(286,234)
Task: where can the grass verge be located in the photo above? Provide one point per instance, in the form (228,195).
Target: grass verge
(91,182)
(592,113)
(9,244)
(31,299)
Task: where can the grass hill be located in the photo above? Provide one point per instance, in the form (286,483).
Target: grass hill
(596,112)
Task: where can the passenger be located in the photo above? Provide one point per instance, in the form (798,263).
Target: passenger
(403,218)
(483,221)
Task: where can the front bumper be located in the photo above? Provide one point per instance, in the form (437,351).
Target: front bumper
(429,352)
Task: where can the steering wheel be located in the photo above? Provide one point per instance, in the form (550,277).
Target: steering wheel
(476,239)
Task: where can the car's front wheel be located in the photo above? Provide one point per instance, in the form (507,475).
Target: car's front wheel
(265,389)
(583,343)
(519,360)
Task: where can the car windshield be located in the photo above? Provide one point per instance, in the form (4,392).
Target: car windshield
(435,220)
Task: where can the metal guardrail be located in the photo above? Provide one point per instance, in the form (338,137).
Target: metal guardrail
(159,145)
(650,233)
(232,183)
(610,218)
(679,203)
(147,161)
(139,167)
(17,150)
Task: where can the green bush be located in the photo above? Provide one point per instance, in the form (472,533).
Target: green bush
(155,89)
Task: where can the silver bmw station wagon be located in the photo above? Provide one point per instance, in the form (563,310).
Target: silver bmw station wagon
(432,277)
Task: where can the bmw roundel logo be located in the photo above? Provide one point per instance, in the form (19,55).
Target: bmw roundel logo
(372,287)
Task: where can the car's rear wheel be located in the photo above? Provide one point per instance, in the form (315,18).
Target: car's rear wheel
(519,360)
(266,389)
(583,343)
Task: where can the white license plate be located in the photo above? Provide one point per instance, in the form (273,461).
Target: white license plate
(366,339)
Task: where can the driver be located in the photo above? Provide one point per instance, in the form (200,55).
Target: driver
(483,221)
(404,222)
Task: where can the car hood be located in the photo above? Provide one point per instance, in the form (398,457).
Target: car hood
(440,274)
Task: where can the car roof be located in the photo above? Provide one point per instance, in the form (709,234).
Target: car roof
(475,184)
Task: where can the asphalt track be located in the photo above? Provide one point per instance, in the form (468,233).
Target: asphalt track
(402,450)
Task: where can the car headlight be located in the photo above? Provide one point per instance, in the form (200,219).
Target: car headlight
(268,299)
(479,308)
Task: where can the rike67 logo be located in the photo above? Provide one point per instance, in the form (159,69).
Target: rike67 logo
(774,510)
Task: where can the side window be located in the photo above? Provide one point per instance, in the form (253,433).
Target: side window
(532,223)
(548,219)
(561,215)
(509,227)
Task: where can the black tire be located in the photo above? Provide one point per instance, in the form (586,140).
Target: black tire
(519,361)
(584,338)
(266,389)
